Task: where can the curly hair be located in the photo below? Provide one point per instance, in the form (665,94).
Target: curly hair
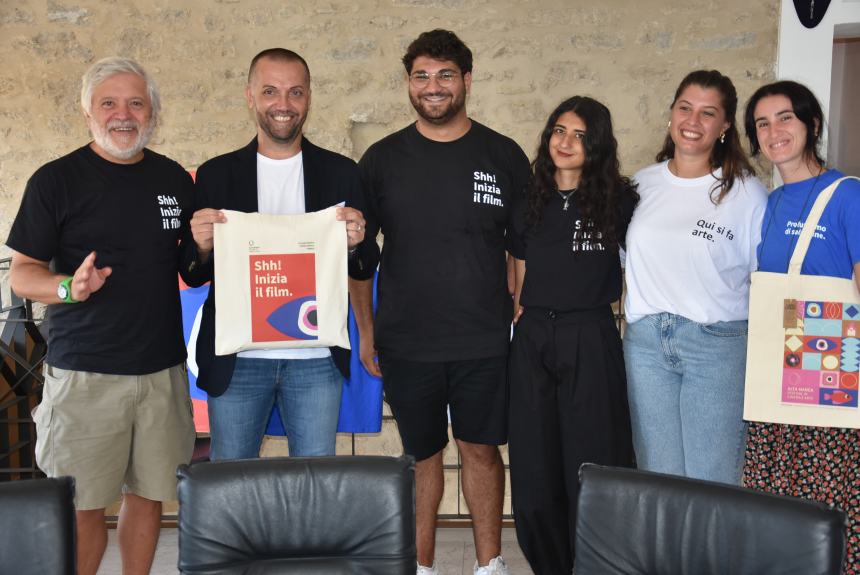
(730,155)
(439,44)
(601,186)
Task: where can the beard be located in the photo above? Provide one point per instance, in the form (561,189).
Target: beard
(439,113)
(102,137)
(278,131)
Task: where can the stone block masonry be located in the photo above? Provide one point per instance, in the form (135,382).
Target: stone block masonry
(529,55)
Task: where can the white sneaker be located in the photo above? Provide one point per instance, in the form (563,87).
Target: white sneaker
(496,566)
(422,570)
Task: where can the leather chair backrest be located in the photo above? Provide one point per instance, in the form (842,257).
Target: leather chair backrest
(37,527)
(635,522)
(314,515)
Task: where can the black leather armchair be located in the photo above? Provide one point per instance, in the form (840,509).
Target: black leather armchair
(313,515)
(635,522)
(37,527)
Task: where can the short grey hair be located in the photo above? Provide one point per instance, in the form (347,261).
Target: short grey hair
(111,66)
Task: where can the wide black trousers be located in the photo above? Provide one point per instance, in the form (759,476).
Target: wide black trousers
(568,406)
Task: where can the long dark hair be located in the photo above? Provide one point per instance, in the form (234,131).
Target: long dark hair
(805,106)
(601,186)
(730,155)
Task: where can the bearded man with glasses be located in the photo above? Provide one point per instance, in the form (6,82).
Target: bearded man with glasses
(441,190)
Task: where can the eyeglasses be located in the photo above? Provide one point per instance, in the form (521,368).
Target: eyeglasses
(443,77)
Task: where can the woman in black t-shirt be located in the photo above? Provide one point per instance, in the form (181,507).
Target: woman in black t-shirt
(568,401)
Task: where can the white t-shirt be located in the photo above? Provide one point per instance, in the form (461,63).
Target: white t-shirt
(685,255)
(281,191)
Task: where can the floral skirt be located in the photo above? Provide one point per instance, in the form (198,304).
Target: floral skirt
(817,463)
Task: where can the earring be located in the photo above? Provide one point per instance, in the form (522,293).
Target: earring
(669,125)
(723,138)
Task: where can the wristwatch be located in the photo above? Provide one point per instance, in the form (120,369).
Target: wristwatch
(64,291)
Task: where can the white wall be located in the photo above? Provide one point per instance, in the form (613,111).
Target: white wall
(806,55)
(844,145)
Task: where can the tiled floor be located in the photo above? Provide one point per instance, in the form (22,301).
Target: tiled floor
(455,553)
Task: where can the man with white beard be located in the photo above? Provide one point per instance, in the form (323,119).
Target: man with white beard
(96,238)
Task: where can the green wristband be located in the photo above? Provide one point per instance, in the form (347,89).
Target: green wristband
(64,291)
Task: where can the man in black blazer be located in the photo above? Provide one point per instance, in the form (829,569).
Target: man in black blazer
(278,172)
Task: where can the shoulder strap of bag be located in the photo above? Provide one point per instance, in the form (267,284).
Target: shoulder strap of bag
(810,225)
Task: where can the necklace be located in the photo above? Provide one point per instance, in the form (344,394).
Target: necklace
(565,195)
(793,243)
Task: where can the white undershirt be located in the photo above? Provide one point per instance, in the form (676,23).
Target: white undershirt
(281,191)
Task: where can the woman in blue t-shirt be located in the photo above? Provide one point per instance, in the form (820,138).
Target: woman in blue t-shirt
(784,121)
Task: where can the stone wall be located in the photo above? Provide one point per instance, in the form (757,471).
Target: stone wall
(529,55)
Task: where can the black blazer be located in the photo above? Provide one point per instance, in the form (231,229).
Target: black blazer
(230,182)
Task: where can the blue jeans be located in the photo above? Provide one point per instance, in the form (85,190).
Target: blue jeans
(685,383)
(308,395)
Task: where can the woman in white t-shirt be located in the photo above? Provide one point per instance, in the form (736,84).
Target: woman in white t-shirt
(690,250)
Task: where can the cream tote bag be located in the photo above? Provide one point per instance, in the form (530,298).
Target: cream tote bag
(803,352)
(281,281)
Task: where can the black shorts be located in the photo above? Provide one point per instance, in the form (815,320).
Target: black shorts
(419,394)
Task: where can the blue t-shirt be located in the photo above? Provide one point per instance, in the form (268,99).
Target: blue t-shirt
(835,247)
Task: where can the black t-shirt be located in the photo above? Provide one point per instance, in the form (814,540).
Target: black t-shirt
(444,208)
(132,216)
(560,274)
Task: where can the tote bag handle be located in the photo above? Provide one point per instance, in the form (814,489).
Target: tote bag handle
(811,224)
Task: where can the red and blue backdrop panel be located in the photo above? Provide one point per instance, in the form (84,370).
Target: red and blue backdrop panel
(360,407)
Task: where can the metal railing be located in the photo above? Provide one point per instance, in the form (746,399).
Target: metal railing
(22,352)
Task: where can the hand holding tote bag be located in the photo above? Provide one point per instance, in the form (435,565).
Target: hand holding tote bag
(803,352)
(281,281)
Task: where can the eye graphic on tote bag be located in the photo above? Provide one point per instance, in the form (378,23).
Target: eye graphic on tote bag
(297,318)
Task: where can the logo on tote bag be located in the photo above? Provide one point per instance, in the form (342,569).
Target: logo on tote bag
(821,357)
(283,297)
